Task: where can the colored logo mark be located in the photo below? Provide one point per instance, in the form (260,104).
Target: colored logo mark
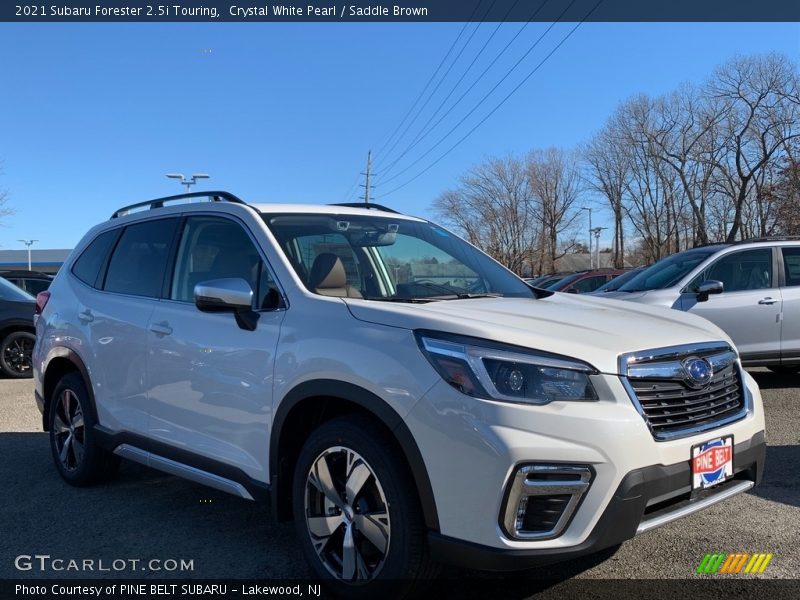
(735,563)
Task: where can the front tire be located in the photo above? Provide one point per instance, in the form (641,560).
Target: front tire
(357,517)
(78,458)
(15,354)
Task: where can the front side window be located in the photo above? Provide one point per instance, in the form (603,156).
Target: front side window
(740,271)
(139,260)
(384,258)
(217,248)
(589,284)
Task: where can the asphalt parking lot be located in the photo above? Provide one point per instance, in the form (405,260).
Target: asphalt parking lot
(145,514)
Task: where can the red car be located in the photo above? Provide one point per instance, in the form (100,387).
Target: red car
(584,282)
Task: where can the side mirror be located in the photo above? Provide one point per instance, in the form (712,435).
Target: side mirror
(227,295)
(705,289)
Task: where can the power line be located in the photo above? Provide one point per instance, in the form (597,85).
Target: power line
(424,132)
(441,79)
(485,97)
(432,77)
(503,101)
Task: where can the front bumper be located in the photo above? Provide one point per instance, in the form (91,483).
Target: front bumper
(637,506)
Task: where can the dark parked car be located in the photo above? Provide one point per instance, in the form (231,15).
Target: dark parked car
(584,281)
(545,280)
(618,282)
(32,282)
(16,330)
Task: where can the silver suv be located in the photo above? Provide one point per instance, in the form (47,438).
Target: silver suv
(750,289)
(402,396)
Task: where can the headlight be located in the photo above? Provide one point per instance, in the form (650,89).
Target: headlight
(493,371)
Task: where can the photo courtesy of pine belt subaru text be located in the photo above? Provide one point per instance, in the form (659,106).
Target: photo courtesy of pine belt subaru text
(401,396)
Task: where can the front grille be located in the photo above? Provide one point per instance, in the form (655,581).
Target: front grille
(674,404)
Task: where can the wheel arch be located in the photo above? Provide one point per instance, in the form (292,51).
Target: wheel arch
(60,362)
(310,404)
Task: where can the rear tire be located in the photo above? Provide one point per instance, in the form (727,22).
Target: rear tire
(78,458)
(15,354)
(356,514)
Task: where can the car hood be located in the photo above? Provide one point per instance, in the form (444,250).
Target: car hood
(595,330)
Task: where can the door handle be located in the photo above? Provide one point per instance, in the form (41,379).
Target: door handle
(86,316)
(161,328)
(768,301)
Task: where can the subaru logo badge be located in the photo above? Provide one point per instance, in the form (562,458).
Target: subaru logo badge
(698,371)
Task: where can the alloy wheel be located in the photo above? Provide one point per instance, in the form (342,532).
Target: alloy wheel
(347,515)
(69,430)
(17,355)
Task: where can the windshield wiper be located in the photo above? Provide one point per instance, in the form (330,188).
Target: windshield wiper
(419,300)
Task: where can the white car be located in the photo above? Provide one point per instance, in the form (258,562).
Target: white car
(402,396)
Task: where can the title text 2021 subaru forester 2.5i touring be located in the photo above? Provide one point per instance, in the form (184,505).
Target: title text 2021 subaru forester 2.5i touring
(402,396)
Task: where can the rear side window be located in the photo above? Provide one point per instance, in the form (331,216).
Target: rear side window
(139,260)
(791,265)
(87,267)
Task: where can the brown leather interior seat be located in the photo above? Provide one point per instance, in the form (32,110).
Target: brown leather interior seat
(329,278)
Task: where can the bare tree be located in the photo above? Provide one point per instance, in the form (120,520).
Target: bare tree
(761,108)
(609,162)
(494,208)
(556,183)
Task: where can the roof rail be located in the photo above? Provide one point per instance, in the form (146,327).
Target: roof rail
(367,206)
(776,238)
(159,202)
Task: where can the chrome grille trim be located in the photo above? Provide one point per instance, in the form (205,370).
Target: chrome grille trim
(671,406)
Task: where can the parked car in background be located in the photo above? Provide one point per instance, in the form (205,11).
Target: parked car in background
(32,282)
(750,289)
(618,281)
(544,280)
(584,282)
(17,333)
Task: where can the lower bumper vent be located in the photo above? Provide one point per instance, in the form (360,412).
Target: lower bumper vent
(541,499)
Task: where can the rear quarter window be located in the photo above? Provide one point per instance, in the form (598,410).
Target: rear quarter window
(90,262)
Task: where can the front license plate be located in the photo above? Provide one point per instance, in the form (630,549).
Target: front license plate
(712,462)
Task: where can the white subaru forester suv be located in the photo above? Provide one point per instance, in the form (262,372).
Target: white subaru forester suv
(399,394)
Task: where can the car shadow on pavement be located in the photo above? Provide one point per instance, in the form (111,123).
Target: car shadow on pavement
(780,476)
(767,380)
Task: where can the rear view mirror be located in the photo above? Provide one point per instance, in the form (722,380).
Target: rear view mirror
(705,289)
(227,295)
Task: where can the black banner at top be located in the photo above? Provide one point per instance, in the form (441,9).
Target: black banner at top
(399,10)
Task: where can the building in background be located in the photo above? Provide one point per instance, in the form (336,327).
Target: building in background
(45,261)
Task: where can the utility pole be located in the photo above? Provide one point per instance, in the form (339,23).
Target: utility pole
(366,185)
(596,231)
(591,259)
(28,243)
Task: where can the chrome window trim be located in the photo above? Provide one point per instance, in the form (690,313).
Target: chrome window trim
(725,355)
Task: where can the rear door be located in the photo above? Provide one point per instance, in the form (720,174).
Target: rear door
(115,314)
(790,291)
(749,307)
(210,381)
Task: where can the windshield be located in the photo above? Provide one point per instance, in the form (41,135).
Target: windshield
(8,291)
(668,271)
(619,281)
(380,258)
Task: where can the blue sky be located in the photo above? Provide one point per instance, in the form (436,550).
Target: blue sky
(94,115)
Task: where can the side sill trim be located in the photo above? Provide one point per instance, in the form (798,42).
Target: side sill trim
(181,470)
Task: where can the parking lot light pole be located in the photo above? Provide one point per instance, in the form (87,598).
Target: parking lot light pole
(28,243)
(596,231)
(188,182)
(591,260)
